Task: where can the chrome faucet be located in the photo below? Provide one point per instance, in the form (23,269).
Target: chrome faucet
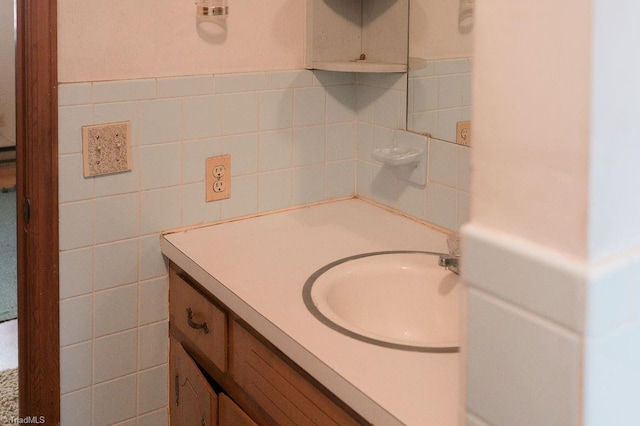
(452,261)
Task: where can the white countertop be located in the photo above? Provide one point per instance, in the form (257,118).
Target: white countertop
(258,267)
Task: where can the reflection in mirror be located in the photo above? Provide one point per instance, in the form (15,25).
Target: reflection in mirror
(7,81)
(439,83)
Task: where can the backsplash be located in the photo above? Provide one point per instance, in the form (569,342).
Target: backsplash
(295,137)
(444,200)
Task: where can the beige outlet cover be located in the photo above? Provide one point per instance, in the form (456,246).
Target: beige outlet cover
(106,148)
(463,133)
(218,178)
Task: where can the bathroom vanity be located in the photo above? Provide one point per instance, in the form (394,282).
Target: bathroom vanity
(262,357)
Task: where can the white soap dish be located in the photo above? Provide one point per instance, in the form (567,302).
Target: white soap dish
(397,156)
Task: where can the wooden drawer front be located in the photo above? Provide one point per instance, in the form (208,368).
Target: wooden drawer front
(283,393)
(230,414)
(189,312)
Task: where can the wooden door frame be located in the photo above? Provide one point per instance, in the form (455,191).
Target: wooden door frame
(37,209)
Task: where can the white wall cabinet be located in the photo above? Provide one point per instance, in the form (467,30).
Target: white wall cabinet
(357,35)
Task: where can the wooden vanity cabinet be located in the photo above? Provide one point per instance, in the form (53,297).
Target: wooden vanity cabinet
(224,373)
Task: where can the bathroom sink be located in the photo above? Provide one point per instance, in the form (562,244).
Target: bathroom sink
(399,299)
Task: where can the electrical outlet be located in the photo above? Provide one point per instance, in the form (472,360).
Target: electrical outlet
(106,148)
(218,179)
(463,133)
(218,171)
(218,186)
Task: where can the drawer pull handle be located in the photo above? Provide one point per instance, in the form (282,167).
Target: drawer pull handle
(195,325)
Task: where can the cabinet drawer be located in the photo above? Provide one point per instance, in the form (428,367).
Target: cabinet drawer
(284,394)
(202,323)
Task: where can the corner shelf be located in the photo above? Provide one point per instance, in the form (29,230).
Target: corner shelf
(339,32)
(358,66)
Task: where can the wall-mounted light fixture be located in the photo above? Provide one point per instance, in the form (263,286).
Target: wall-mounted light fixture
(212,10)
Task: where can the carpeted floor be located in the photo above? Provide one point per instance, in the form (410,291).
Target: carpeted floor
(8,276)
(8,396)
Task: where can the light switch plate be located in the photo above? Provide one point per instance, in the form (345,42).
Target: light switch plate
(463,133)
(218,178)
(106,148)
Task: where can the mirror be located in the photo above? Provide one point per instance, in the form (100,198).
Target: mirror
(439,79)
(7,81)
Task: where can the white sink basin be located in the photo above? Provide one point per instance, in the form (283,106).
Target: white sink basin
(403,300)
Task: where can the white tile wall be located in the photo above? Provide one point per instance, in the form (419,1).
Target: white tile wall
(442,205)
(76,407)
(76,272)
(522,370)
(274,190)
(114,401)
(440,96)
(309,145)
(541,281)
(78,361)
(161,121)
(152,389)
(276,109)
(309,106)
(240,113)
(76,225)
(443,163)
(158,417)
(152,351)
(127,90)
(308,184)
(381,110)
(76,320)
(157,165)
(275,150)
(341,140)
(152,306)
(112,264)
(115,356)
(611,363)
(291,135)
(115,310)
(202,116)
(175,87)
(115,218)
(245,199)
(551,339)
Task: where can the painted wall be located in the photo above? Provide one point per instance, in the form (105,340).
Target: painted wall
(531,121)
(441,29)
(123,39)
(552,252)
(7,76)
